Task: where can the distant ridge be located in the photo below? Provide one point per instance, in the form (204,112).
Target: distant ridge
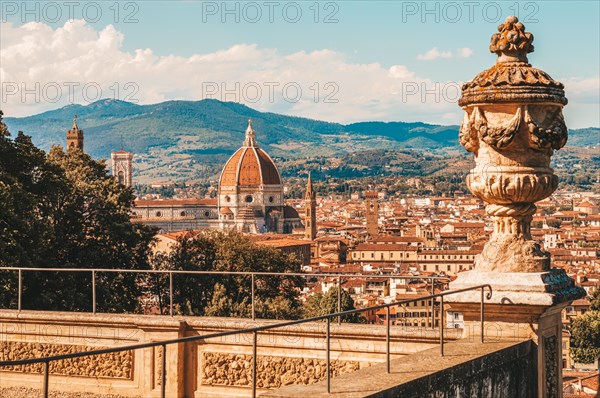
(207,131)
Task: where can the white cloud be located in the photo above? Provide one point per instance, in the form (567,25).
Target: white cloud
(434,53)
(320,84)
(464,52)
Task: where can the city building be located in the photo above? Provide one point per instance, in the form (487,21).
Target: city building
(250,199)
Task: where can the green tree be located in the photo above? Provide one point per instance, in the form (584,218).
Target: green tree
(228,295)
(63,210)
(585,337)
(319,304)
(595,300)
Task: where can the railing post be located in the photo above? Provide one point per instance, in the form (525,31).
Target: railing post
(339,298)
(254,361)
(171,293)
(46,377)
(163,374)
(482,314)
(253,307)
(94,291)
(432,301)
(387,340)
(20,293)
(442,325)
(328,355)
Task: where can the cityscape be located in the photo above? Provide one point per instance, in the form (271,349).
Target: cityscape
(442,240)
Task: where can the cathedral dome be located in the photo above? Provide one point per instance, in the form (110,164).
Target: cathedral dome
(249,166)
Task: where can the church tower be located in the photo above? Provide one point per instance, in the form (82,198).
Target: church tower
(75,136)
(372,213)
(122,167)
(310,205)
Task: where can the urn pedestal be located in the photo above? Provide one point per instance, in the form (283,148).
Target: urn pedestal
(512,124)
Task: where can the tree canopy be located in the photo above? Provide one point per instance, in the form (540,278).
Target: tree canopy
(322,304)
(63,210)
(595,300)
(276,297)
(585,337)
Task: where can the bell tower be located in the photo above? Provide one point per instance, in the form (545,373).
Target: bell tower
(372,213)
(75,136)
(122,167)
(310,206)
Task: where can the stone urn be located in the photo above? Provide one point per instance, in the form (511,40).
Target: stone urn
(513,122)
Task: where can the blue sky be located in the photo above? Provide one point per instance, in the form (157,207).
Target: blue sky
(432,42)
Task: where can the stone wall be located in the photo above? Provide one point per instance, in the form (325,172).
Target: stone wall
(489,370)
(118,365)
(272,372)
(214,367)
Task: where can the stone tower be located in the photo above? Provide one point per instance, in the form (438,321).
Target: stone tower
(122,167)
(310,205)
(75,136)
(372,213)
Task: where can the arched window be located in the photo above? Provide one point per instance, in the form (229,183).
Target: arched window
(121,177)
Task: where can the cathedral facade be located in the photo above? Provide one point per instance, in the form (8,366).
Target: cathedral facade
(250,199)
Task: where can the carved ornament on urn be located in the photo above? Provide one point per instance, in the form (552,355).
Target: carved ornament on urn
(513,122)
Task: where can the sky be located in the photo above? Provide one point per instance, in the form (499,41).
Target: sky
(341,61)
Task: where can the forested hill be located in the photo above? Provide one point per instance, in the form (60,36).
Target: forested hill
(206,132)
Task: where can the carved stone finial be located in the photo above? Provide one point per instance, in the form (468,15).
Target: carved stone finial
(512,44)
(513,122)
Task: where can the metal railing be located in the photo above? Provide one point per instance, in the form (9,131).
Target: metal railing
(253,275)
(46,361)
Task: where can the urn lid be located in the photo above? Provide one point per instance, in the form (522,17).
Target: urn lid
(512,79)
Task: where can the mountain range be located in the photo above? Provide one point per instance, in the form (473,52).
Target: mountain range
(172,139)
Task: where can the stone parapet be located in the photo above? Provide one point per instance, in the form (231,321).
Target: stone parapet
(210,367)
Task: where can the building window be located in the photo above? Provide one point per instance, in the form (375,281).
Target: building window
(271,199)
(182,214)
(227,199)
(206,213)
(249,199)
(158,214)
(448,268)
